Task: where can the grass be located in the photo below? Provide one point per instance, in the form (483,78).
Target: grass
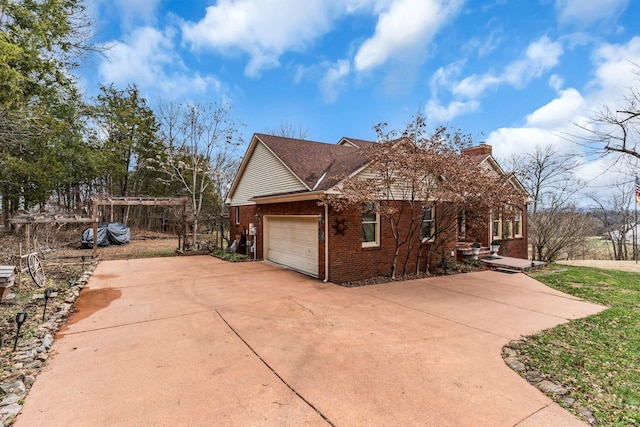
(597,358)
(233,257)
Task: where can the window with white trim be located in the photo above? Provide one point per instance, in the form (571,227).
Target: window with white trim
(237,215)
(497,226)
(427,230)
(508,229)
(517,224)
(370,224)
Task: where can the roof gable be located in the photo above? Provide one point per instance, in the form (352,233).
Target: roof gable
(318,165)
(262,173)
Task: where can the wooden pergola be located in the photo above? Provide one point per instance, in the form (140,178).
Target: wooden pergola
(96,202)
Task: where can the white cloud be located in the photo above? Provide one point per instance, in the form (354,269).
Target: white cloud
(444,77)
(556,82)
(558,112)
(333,80)
(128,13)
(585,13)
(404,30)
(615,72)
(474,86)
(514,141)
(483,46)
(540,56)
(439,113)
(555,123)
(147,58)
(263,29)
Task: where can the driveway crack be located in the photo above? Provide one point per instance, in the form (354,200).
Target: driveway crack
(304,307)
(324,417)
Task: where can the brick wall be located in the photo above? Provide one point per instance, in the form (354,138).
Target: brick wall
(349,261)
(248,215)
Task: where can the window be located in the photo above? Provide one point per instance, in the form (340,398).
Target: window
(370,225)
(517,225)
(428,230)
(237,214)
(497,226)
(462,225)
(508,229)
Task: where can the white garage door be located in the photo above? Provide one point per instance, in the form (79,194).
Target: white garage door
(293,241)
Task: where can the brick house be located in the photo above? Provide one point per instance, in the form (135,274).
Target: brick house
(274,202)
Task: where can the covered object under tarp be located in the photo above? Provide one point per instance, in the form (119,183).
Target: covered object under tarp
(109,233)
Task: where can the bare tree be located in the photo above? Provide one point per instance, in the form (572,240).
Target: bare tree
(549,177)
(416,172)
(615,213)
(288,130)
(200,155)
(615,129)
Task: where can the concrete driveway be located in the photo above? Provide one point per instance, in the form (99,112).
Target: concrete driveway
(197,341)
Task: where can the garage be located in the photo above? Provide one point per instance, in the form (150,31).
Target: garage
(293,242)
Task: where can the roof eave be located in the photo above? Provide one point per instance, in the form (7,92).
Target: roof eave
(283,198)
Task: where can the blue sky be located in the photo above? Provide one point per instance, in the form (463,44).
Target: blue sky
(513,73)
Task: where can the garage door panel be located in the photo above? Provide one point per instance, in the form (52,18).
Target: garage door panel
(293,241)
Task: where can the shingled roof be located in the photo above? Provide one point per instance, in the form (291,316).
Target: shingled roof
(319,165)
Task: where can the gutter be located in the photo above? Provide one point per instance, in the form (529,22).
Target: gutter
(326,244)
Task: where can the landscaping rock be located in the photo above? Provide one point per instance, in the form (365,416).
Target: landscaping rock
(549,387)
(16,387)
(515,364)
(36,364)
(588,415)
(9,411)
(534,377)
(509,352)
(10,399)
(29,380)
(47,341)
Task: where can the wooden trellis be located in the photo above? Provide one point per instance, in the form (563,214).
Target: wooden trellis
(96,202)
(30,220)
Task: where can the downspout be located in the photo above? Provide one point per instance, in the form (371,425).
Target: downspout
(326,243)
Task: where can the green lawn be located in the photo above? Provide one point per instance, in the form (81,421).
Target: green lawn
(598,358)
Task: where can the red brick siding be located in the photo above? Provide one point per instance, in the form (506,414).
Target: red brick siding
(248,214)
(349,261)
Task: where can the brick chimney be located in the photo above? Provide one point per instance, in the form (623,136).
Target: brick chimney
(483,149)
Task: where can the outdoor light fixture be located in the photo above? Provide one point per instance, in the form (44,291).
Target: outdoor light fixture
(47,295)
(21,317)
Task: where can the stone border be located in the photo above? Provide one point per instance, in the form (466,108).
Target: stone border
(31,355)
(544,383)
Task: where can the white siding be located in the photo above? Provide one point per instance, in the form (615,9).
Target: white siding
(264,175)
(292,241)
(398,192)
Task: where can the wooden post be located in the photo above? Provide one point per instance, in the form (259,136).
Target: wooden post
(28,237)
(20,266)
(95,228)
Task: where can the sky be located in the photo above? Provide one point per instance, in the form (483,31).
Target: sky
(515,74)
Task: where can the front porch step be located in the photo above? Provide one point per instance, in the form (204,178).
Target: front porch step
(484,252)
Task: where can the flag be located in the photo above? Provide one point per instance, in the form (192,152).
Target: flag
(637,190)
